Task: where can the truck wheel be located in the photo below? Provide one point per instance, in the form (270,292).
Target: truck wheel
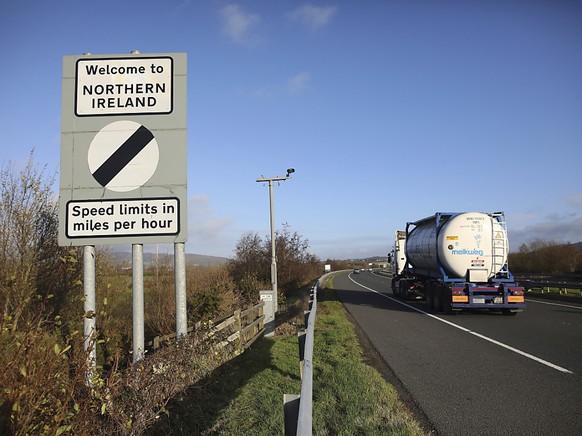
(447,300)
(437,298)
(402,289)
(394,288)
(428,295)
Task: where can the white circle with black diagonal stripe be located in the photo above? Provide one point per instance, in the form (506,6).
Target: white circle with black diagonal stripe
(123,156)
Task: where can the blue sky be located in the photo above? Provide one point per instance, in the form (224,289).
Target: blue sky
(388,110)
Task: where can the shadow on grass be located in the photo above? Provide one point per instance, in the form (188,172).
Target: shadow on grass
(326,294)
(195,410)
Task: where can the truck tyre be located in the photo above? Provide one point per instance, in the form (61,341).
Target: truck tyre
(447,300)
(394,292)
(429,295)
(402,289)
(437,298)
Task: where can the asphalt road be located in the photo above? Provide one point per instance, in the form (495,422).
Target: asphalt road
(477,373)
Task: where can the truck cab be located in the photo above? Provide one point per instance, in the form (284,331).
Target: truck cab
(405,288)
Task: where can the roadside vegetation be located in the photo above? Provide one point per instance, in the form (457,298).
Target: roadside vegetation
(549,269)
(350,397)
(547,257)
(42,360)
(245,395)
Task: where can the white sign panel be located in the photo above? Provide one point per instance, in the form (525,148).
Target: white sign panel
(123,156)
(115,218)
(124,86)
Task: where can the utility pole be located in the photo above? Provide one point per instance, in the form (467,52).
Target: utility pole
(270,180)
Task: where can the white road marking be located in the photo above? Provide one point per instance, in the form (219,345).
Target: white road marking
(529,300)
(493,341)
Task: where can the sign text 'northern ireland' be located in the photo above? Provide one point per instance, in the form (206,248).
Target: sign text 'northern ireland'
(122,86)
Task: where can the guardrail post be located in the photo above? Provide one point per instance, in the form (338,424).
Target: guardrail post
(290,413)
(301,339)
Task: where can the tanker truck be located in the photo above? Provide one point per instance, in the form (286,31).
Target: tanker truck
(456,261)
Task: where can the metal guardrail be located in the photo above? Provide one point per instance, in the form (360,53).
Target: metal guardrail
(298,409)
(548,284)
(570,289)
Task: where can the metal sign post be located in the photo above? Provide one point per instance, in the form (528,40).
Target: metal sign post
(137,303)
(180,285)
(90,309)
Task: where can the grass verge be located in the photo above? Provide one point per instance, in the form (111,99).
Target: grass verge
(555,294)
(245,396)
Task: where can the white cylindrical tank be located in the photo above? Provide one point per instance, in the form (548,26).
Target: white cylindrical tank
(460,242)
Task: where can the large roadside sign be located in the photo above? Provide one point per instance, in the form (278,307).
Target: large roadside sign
(123,149)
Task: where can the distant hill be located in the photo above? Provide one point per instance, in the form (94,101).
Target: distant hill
(191,259)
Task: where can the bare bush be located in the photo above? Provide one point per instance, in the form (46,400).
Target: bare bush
(134,400)
(160,304)
(44,389)
(211,292)
(251,265)
(38,377)
(113,309)
(30,260)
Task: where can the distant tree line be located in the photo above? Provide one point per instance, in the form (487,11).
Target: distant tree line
(546,257)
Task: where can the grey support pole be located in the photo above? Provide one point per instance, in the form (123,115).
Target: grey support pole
(273,253)
(180,284)
(270,180)
(138,303)
(90,311)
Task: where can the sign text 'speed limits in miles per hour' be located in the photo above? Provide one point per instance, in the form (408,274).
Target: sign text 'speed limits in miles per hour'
(113,218)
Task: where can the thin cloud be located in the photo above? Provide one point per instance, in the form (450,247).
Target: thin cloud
(574,200)
(314,17)
(568,229)
(295,85)
(238,25)
(205,227)
(298,83)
